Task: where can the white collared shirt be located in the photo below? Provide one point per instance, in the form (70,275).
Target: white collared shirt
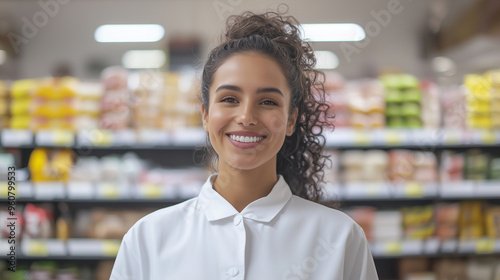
(280,236)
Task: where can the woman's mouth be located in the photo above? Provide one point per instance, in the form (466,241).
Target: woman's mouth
(245,142)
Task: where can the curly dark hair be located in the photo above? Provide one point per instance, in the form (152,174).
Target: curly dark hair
(300,160)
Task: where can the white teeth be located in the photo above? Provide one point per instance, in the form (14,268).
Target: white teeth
(246,139)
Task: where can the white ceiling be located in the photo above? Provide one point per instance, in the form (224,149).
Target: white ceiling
(68,35)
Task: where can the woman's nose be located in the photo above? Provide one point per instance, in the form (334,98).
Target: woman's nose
(246,115)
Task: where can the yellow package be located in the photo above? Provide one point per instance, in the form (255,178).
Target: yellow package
(417,215)
(477,83)
(20,122)
(57,88)
(47,165)
(23,88)
(492,219)
(54,108)
(20,106)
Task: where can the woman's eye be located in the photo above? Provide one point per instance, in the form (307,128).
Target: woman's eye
(269,102)
(229,100)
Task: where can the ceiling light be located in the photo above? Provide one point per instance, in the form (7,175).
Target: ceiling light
(333,32)
(114,33)
(144,59)
(3,57)
(326,60)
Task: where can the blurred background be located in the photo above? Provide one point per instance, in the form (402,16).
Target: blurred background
(100,118)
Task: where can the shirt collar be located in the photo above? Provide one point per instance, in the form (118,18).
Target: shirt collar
(263,209)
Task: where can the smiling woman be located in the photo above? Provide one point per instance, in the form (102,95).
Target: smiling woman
(263,110)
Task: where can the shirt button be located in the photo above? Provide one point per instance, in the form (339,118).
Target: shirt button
(237,220)
(233,271)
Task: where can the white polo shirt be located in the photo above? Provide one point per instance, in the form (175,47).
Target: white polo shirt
(280,236)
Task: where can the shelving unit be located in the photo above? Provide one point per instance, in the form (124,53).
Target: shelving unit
(176,149)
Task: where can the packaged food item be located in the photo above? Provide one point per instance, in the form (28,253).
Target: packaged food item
(116,100)
(476,165)
(401,166)
(387,226)
(375,166)
(494,170)
(352,164)
(447,216)
(451,269)
(409,268)
(50,164)
(42,270)
(452,167)
(418,221)
(492,221)
(38,221)
(403,101)
(470,220)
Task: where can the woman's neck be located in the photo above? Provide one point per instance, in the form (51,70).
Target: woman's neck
(242,187)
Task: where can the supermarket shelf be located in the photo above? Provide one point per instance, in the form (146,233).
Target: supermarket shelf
(72,249)
(413,191)
(99,193)
(192,137)
(95,249)
(81,192)
(434,248)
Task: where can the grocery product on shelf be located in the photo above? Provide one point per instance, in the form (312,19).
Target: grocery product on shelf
(50,164)
(22,95)
(431,109)
(87,105)
(364,166)
(470,220)
(418,222)
(115,102)
(483,99)
(403,97)
(366,104)
(4,105)
(475,268)
(398,166)
(447,215)
(492,221)
(452,166)
(39,221)
(387,226)
(113,224)
(53,105)
(414,268)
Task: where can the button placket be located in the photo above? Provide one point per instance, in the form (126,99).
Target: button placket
(237,270)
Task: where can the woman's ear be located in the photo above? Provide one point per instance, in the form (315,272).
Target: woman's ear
(292,120)
(204,115)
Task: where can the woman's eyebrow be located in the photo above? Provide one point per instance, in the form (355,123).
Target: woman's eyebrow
(238,89)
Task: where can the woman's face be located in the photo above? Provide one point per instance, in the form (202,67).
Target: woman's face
(248,112)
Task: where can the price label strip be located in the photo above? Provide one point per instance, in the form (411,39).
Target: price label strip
(38,248)
(488,137)
(361,138)
(414,189)
(63,138)
(372,190)
(151,191)
(393,138)
(109,191)
(485,246)
(101,138)
(393,248)
(4,190)
(110,248)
